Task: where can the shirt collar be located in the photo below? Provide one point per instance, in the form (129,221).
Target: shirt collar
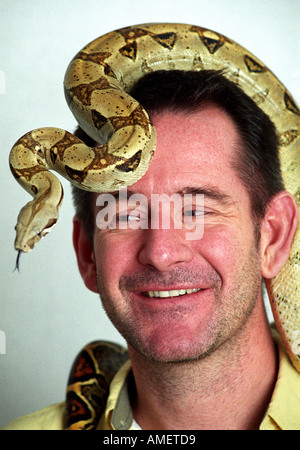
(284,409)
(118,414)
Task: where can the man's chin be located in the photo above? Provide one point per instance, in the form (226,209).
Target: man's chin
(171,355)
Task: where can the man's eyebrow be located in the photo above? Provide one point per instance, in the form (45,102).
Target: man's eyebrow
(210,192)
(124,194)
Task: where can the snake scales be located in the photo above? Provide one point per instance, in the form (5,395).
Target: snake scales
(97,82)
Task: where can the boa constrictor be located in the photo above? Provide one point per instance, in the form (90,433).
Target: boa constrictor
(88,384)
(97,82)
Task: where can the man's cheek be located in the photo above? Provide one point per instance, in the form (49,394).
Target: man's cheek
(218,246)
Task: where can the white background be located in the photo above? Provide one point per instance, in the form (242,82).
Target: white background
(46,312)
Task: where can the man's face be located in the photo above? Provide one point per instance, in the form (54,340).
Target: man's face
(143,274)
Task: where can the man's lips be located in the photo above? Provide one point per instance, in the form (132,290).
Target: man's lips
(176,283)
(169,293)
(161,298)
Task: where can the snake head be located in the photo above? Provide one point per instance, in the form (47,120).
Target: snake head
(33,224)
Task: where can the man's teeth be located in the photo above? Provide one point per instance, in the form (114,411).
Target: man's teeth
(174,293)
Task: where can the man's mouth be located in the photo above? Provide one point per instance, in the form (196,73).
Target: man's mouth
(172,293)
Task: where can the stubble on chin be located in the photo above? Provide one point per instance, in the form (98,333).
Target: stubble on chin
(233,308)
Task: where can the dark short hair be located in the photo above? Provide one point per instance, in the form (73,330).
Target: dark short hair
(257,163)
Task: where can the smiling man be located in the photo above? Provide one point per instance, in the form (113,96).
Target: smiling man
(186,293)
(202,355)
(223,266)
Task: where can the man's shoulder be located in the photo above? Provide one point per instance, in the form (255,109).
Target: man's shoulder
(284,409)
(49,418)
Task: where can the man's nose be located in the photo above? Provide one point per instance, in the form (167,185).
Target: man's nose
(163,249)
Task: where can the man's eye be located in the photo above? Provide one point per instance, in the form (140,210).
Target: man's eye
(194,216)
(194,213)
(133,221)
(128,218)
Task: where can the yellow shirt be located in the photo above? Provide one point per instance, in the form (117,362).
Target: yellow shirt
(283,412)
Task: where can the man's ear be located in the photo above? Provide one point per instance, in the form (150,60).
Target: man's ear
(85,255)
(277,232)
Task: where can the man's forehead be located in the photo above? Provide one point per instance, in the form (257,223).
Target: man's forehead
(184,137)
(190,155)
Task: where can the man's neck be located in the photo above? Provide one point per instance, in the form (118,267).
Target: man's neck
(230,389)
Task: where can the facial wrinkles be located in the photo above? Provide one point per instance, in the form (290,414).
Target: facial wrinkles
(235,280)
(234,303)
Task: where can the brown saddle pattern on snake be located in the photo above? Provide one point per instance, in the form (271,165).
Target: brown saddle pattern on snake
(88,384)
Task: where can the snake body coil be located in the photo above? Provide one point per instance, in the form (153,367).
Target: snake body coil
(97,82)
